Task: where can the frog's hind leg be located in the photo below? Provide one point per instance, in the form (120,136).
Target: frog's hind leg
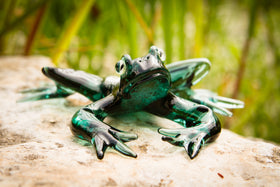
(217,103)
(185,74)
(200,123)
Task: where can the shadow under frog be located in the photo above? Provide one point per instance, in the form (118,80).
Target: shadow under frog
(145,84)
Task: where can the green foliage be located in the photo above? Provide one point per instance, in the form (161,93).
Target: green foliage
(241,39)
(71,28)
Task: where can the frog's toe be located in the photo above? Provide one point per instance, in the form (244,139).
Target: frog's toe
(124,149)
(37,94)
(122,135)
(228,102)
(112,138)
(192,146)
(100,147)
(172,141)
(191,141)
(49,92)
(171,132)
(218,103)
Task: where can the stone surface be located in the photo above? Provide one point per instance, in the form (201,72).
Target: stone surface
(38,149)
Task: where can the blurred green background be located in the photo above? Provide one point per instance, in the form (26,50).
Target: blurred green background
(240,38)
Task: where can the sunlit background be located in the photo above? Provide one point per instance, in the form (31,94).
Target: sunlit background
(240,38)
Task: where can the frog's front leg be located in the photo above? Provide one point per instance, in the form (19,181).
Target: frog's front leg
(49,92)
(69,81)
(88,124)
(201,124)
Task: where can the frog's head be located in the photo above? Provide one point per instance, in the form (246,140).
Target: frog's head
(145,77)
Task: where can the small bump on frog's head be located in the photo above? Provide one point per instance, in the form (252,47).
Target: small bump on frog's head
(148,71)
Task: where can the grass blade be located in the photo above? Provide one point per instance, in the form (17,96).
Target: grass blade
(141,21)
(34,29)
(71,29)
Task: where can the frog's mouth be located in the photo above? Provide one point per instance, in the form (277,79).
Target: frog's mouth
(162,76)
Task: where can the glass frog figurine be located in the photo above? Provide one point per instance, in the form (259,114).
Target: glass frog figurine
(145,84)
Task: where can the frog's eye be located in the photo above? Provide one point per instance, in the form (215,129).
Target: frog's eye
(124,65)
(120,66)
(161,54)
(158,52)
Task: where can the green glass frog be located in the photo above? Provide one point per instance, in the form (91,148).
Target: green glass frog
(145,84)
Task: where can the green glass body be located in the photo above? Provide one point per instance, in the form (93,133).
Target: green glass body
(145,84)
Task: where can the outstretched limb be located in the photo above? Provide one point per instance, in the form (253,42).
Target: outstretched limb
(201,124)
(69,81)
(218,103)
(56,91)
(185,74)
(88,124)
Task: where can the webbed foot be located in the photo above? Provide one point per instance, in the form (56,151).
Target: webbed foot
(217,103)
(190,138)
(114,138)
(56,91)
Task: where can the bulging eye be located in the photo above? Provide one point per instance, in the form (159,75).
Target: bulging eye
(161,54)
(158,52)
(121,66)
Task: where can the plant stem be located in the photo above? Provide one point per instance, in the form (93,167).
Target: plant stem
(71,29)
(246,48)
(271,35)
(199,17)
(167,17)
(34,30)
(244,54)
(156,17)
(181,11)
(141,21)
(7,10)
(19,20)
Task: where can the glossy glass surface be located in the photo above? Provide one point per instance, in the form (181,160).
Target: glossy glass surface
(145,84)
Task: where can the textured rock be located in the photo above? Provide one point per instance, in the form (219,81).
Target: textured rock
(38,149)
